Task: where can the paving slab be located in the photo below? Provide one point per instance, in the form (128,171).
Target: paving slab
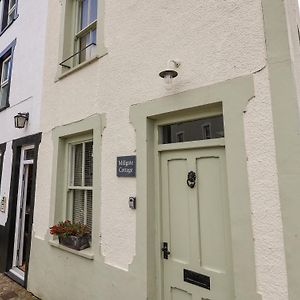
(10,290)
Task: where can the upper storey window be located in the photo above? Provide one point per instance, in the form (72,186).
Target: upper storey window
(9,13)
(5,74)
(82,33)
(85,38)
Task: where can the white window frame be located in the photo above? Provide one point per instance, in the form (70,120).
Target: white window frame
(79,33)
(6,81)
(11,10)
(70,176)
(90,26)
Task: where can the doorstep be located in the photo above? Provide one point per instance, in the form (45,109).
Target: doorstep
(10,290)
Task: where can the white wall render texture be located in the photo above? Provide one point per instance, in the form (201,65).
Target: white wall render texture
(215,41)
(26,82)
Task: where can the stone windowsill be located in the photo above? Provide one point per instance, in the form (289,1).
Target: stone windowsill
(86,253)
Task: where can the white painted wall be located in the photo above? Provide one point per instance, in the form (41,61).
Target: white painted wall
(26,82)
(215,41)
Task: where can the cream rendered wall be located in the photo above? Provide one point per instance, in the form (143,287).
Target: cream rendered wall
(26,81)
(215,41)
(264,193)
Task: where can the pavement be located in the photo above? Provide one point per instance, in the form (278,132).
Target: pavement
(9,290)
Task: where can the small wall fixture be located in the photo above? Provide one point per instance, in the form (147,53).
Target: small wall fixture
(170,72)
(21,119)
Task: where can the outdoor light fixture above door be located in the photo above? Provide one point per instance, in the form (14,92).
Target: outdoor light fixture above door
(21,119)
(170,73)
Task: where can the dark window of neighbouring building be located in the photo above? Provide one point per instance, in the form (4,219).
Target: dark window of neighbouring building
(9,12)
(6,58)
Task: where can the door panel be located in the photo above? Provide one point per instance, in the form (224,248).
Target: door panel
(178,294)
(211,213)
(179,241)
(195,224)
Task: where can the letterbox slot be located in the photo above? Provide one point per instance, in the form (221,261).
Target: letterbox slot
(196,279)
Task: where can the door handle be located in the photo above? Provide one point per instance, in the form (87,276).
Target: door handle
(165,250)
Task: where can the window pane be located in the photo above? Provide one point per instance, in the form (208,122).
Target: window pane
(206,130)
(4,15)
(84,14)
(201,129)
(78,206)
(84,41)
(94,36)
(89,219)
(12,3)
(4,96)
(11,16)
(77,165)
(29,154)
(5,70)
(88,169)
(93,10)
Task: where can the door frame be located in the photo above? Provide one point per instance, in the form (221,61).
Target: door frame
(20,198)
(13,199)
(232,96)
(206,112)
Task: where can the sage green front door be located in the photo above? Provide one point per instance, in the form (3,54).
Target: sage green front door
(196,243)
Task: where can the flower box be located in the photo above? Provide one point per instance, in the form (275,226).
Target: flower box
(73,235)
(75,242)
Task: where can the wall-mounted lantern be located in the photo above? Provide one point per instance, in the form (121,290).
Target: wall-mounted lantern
(21,119)
(170,73)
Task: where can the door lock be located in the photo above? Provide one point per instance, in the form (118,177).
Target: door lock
(191,179)
(165,250)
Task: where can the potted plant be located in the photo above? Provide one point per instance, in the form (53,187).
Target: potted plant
(73,235)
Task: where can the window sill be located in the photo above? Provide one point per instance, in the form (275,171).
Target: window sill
(78,67)
(86,253)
